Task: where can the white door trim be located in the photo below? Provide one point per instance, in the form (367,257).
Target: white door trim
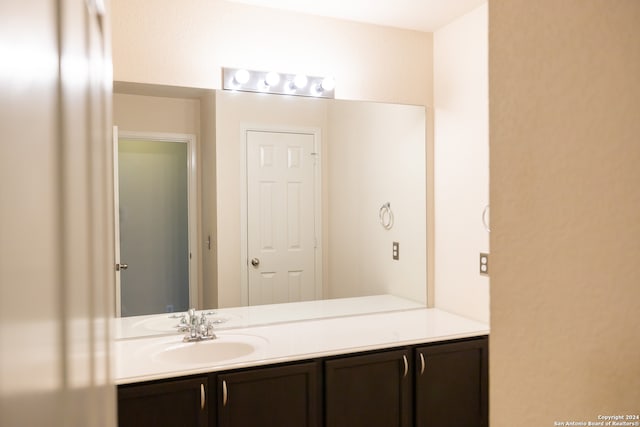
(244,258)
(192,202)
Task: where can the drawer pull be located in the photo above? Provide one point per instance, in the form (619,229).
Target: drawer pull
(203,396)
(225,396)
(422,364)
(406,366)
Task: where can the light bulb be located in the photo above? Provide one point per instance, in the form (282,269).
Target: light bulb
(272,79)
(328,83)
(241,76)
(300,81)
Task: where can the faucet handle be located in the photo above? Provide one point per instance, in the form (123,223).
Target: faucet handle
(192,316)
(208,330)
(198,328)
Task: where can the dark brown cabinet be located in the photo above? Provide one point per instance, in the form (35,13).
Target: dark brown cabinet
(451,384)
(283,396)
(430,385)
(169,403)
(369,390)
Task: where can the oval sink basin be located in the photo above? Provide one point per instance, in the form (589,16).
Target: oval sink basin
(223,348)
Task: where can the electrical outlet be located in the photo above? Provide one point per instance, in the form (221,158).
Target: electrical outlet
(484,263)
(396,251)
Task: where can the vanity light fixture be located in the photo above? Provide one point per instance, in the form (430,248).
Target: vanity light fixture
(241,79)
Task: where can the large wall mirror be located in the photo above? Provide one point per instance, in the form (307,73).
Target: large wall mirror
(298,199)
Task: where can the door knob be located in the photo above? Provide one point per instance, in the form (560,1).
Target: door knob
(122,266)
(255,262)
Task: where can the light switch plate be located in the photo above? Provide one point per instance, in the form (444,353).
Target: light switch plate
(484,264)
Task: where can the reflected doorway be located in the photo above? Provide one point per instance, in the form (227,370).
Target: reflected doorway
(282,216)
(155,223)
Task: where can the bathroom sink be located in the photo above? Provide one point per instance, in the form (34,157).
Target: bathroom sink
(225,347)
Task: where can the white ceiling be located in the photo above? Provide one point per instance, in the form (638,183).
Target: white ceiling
(421,15)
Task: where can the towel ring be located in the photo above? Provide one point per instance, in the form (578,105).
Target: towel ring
(485,218)
(386,216)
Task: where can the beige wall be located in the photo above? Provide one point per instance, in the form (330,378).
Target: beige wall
(374,153)
(140,113)
(462,163)
(565,238)
(186,43)
(208,201)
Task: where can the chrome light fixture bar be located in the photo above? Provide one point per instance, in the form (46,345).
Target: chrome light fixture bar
(241,79)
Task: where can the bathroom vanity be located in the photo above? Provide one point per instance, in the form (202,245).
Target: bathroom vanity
(413,367)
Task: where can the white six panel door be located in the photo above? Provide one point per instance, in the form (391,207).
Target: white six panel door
(280,217)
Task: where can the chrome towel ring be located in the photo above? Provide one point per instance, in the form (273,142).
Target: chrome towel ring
(485,219)
(386,216)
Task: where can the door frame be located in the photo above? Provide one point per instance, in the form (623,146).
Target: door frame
(192,203)
(317,202)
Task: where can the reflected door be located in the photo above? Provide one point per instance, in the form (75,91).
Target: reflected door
(153,226)
(281,213)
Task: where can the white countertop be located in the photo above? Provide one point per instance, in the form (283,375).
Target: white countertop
(298,340)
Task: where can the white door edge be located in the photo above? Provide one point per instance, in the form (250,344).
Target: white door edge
(116,220)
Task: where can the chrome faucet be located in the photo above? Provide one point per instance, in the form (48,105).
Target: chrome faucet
(197,327)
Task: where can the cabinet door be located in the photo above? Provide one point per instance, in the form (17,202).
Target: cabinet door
(167,403)
(283,396)
(369,390)
(451,384)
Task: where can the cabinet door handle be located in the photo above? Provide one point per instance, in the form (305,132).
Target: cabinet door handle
(406,366)
(422,364)
(203,396)
(225,396)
